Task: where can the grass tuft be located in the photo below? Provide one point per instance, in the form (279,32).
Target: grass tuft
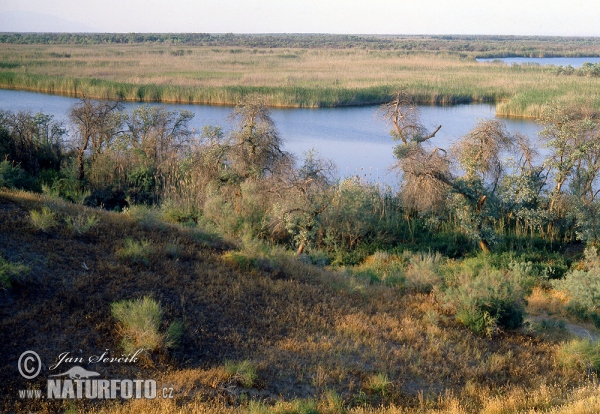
(140,322)
(10,272)
(82,223)
(136,251)
(580,354)
(243,372)
(42,220)
(379,384)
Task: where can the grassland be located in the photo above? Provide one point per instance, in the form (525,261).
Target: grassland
(282,336)
(289,77)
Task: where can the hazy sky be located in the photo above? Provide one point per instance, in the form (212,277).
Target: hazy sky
(511,17)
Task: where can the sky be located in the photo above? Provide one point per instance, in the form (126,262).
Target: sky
(503,17)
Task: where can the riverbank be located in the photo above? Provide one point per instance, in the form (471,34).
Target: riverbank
(294,77)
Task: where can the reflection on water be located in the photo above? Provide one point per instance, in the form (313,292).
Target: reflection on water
(354,138)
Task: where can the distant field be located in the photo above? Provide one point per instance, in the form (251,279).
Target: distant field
(286,77)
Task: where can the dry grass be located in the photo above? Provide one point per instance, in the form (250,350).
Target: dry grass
(285,77)
(310,337)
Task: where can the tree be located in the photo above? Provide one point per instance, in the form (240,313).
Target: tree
(573,137)
(255,147)
(302,195)
(403,115)
(465,176)
(160,133)
(34,141)
(97,124)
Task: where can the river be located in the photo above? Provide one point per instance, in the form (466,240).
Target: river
(355,138)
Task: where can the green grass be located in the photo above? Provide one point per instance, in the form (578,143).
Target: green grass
(136,251)
(140,322)
(583,354)
(81,223)
(243,372)
(43,219)
(379,384)
(11,272)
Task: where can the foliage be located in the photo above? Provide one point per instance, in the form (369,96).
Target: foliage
(487,299)
(82,223)
(11,272)
(32,141)
(581,354)
(379,384)
(43,220)
(423,271)
(242,372)
(140,322)
(13,176)
(381,268)
(582,284)
(136,251)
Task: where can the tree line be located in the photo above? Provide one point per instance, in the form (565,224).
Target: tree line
(485,190)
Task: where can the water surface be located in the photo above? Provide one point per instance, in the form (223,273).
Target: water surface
(355,138)
(576,62)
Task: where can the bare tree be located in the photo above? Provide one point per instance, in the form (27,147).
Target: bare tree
(404,116)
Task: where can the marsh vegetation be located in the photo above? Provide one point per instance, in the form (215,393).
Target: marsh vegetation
(433,70)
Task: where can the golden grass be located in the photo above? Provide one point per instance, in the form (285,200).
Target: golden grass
(546,301)
(312,338)
(285,77)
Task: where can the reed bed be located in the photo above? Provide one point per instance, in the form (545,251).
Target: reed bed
(285,77)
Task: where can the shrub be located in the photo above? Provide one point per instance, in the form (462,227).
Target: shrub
(82,223)
(16,177)
(423,272)
(583,286)
(43,219)
(145,215)
(241,260)
(136,251)
(140,322)
(379,384)
(580,354)
(381,268)
(9,272)
(243,372)
(487,300)
(108,199)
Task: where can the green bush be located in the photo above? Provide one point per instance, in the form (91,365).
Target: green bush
(423,272)
(487,299)
(10,272)
(136,251)
(16,177)
(82,223)
(583,286)
(140,321)
(379,384)
(243,372)
(381,268)
(42,220)
(580,354)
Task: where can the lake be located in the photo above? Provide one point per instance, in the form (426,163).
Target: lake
(576,62)
(355,138)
